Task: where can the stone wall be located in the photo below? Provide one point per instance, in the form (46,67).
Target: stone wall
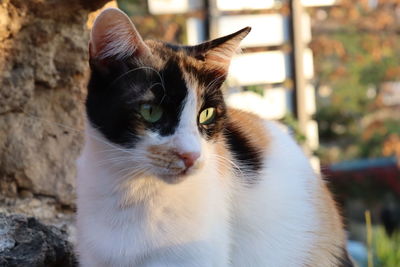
(43,75)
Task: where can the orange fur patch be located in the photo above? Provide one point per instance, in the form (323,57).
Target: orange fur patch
(251,126)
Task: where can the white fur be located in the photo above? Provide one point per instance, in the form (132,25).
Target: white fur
(273,220)
(187,137)
(204,220)
(159,224)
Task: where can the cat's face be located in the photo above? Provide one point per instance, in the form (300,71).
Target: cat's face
(159,102)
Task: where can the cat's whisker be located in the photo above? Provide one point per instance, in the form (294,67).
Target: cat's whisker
(133,70)
(107,151)
(133,171)
(124,173)
(220,172)
(233,164)
(225,164)
(141,68)
(234,171)
(131,167)
(152,86)
(130,172)
(114,160)
(116,151)
(162,86)
(111,145)
(214,81)
(122,160)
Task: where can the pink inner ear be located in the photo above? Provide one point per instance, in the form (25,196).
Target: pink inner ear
(114,35)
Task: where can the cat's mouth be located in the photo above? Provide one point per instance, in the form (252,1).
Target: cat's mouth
(173,176)
(173,179)
(171,166)
(173,171)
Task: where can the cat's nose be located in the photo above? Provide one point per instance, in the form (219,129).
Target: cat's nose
(189,158)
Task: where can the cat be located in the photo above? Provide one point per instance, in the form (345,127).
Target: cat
(171,176)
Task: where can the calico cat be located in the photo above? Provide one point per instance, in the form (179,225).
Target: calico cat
(170,176)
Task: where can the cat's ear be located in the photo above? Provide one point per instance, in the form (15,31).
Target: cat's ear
(219,52)
(114,35)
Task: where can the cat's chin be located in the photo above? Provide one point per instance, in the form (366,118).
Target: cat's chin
(177,178)
(172,179)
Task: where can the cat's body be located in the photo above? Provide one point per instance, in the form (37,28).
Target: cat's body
(186,188)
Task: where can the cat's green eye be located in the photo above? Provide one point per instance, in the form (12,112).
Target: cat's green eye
(207,116)
(151,113)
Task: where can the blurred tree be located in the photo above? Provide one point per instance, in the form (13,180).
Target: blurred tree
(168,28)
(133,7)
(356,49)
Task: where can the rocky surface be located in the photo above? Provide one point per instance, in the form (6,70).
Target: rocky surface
(43,73)
(46,209)
(24,241)
(43,76)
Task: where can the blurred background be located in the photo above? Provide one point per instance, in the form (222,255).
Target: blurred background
(328,69)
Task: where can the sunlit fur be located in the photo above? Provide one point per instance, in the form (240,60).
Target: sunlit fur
(141,206)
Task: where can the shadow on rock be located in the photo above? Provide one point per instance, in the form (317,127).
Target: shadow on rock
(24,241)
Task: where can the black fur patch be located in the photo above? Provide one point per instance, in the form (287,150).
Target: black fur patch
(116,91)
(246,156)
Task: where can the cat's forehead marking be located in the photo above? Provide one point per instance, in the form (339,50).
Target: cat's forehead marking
(204,79)
(163,54)
(192,82)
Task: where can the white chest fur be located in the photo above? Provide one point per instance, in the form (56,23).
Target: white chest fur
(148,222)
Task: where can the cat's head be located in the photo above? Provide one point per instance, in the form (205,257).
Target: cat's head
(161,103)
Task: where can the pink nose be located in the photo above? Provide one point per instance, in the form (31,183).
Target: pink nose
(189,158)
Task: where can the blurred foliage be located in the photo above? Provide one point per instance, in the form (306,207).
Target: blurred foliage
(386,249)
(169,28)
(356,49)
(290,121)
(133,7)
(382,138)
(258,89)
